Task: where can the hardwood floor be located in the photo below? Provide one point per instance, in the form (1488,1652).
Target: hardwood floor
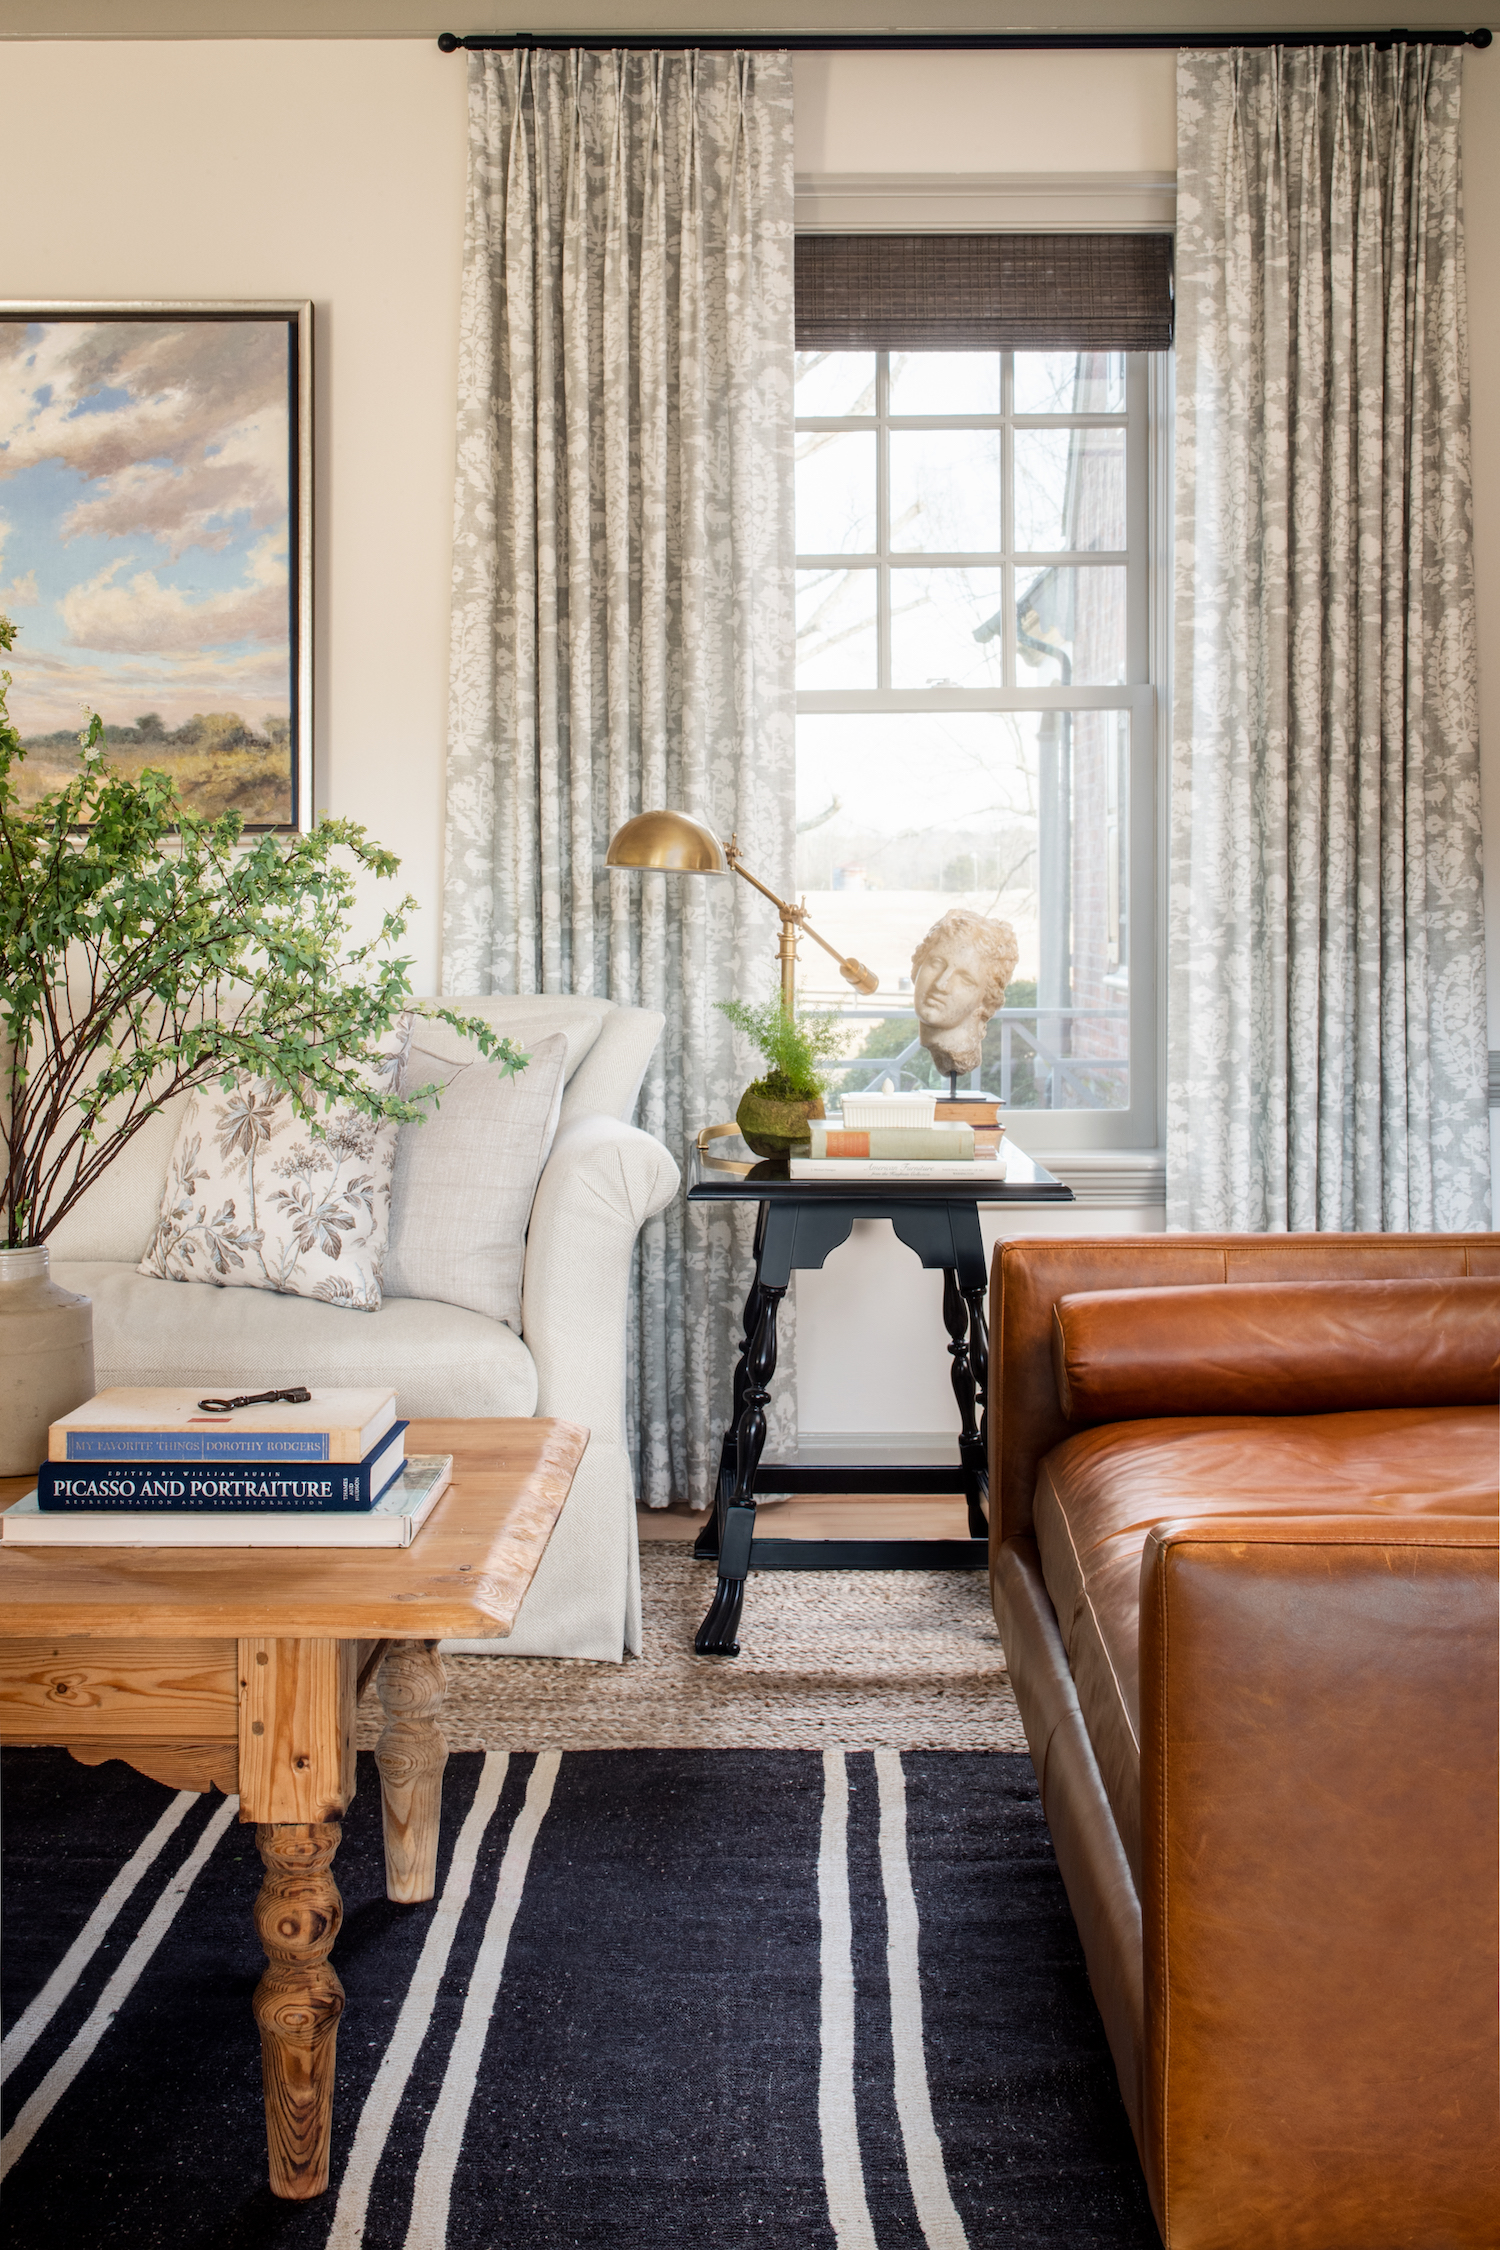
(849,1516)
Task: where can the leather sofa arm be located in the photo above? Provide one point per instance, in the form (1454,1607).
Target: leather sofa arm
(601,1183)
(1320,1869)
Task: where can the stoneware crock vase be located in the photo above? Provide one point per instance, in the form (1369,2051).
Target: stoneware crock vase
(46,1357)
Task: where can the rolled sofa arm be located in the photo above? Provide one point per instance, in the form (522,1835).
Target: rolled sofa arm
(1320,1868)
(602,1182)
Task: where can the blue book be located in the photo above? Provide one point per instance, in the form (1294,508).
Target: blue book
(288,1486)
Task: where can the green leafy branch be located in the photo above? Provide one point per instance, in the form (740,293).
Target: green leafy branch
(145,951)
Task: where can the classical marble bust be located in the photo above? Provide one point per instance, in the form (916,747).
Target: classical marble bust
(959,973)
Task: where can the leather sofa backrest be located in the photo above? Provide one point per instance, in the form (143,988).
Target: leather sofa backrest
(1028,1278)
(1277,1347)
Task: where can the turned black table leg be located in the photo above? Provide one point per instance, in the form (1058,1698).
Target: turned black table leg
(963,1315)
(717,1634)
(706,1545)
(958,1319)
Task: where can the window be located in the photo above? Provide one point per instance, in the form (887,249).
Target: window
(975,721)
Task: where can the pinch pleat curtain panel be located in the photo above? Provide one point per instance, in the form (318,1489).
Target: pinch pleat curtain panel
(1326,1025)
(622,630)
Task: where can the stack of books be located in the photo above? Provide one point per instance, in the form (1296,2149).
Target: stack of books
(153,1468)
(946,1150)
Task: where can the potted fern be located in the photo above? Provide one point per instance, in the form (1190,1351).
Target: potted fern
(145,951)
(774,1112)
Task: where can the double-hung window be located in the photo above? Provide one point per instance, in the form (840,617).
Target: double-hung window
(975,715)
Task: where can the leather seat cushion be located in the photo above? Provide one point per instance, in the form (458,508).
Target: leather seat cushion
(1099,1493)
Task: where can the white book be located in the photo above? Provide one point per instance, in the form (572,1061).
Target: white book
(978,1171)
(394,1521)
(162,1423)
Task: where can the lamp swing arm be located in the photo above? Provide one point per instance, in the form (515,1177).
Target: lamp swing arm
(793,920)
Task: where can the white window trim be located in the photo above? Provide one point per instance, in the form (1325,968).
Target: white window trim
(1137,1129)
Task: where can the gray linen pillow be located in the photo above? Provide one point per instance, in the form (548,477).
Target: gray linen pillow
(464,1179)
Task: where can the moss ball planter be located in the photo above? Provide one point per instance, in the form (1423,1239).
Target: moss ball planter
(774,1125)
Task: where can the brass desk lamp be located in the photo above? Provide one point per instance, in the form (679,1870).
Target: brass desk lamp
(679,845)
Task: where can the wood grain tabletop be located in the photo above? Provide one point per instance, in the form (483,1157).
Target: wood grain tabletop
(464,1574)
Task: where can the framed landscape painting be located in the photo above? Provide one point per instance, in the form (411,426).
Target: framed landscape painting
(156,546)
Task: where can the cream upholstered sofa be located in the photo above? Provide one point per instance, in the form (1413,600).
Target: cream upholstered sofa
(602,1181)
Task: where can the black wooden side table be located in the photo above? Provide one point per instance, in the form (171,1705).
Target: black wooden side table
(798,1223)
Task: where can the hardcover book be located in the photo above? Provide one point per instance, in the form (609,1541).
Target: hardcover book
(394,1521)
(166,1424)
(217,1486)
(975,1109)
(980,1171)
(904,1143)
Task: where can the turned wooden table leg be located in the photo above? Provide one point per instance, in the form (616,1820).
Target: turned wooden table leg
(299,2000)
(411,1755)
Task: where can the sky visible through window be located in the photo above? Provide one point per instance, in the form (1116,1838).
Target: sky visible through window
(962,541)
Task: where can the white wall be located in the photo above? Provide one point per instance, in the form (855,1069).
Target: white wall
(324,169)
(368,19)
(334,169)
(1100,112)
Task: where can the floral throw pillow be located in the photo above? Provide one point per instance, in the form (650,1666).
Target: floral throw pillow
(257,1198)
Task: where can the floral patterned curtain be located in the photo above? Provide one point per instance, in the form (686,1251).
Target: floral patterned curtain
(622,631)
(1327,1063)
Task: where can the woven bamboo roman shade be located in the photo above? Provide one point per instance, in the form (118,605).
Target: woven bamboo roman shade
(984,292)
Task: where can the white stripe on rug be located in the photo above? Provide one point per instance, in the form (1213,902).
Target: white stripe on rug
(925,2169)
(112,1999)
(38,2013)
(399,2059)
(445,2129)
(843,2172)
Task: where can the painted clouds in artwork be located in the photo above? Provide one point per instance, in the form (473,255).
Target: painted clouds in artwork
(144,510)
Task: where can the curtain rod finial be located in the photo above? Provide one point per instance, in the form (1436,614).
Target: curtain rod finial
(448,42)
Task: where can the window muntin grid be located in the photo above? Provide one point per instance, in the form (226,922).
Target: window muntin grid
(895,612)
(867,479)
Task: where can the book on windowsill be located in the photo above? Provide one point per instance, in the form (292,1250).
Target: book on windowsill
(977,1170)
(223,1487)
(394,1521)
(164,1423)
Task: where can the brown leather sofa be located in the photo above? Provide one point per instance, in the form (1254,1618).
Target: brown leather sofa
(1244,1562)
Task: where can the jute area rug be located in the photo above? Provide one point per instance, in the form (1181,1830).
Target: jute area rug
(849,1660)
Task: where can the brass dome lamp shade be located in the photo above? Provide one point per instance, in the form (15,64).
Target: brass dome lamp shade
(669,840)
(679,845)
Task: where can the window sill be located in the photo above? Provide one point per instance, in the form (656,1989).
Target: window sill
(1117,1179)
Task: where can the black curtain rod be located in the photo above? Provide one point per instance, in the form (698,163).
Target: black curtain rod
(939,42)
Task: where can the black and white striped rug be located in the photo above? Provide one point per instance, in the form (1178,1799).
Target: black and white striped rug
(763,1999)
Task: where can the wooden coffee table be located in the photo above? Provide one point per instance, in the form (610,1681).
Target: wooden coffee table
(241,1668)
